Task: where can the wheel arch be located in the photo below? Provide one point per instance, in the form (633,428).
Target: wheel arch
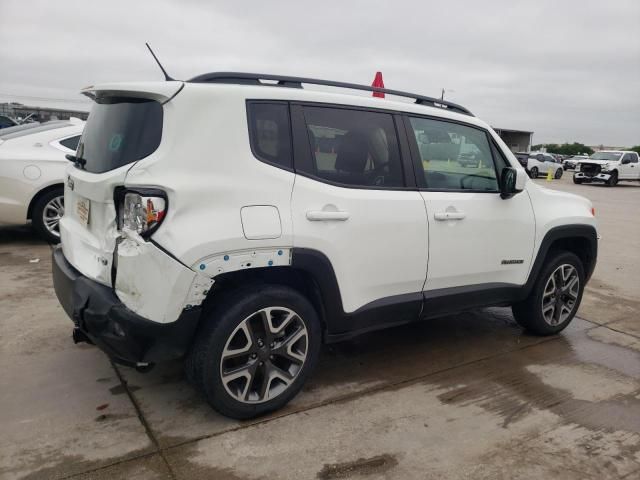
(582,240)
(298,277)
(38,194)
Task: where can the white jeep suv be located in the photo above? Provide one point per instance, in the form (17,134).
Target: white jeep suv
(608,167)
(240,221)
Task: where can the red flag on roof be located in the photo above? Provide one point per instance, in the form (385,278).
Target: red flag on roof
(379,83)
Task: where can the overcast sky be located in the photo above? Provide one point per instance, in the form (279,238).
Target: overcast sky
(567,70)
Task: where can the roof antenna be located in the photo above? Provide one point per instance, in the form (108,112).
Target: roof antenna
(166,75)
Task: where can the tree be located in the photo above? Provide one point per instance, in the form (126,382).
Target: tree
(636,149)
(565,149)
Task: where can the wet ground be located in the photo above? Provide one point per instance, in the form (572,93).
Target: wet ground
(467,396)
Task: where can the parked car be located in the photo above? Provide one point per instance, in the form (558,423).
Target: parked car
(608,167)
(540,163)
(244,246)
(469,156)
(523,158)
(571,162)
(32,166)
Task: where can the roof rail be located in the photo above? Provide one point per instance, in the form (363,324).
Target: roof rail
(296,82)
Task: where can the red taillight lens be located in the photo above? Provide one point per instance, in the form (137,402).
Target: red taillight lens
(593,211)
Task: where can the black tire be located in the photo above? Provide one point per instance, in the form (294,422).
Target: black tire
(38,212)
(577,181)
(533,173)
(203,364)
(529,313)
(613,180)
(559,173)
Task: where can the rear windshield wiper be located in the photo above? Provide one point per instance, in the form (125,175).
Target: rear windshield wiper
(79,162)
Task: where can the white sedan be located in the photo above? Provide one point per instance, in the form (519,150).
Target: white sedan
(541,163)
(32,169)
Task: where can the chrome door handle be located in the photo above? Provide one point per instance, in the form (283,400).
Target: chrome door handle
(449,216)
(324,216)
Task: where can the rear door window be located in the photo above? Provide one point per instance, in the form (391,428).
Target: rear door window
(353,147)
(120,131)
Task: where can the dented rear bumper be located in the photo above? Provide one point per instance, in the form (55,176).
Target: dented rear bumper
(124,335)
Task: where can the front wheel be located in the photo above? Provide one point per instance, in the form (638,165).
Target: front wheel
(577,181)
(256,350)
(559,174)
(613,180)
(533,173)
(555,296)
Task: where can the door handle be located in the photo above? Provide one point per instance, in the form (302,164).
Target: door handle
(324,216)
(449,216)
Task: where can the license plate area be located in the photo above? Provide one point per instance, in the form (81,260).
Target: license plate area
(83,210)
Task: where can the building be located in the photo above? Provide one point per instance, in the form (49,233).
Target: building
(516,140)
(39,114)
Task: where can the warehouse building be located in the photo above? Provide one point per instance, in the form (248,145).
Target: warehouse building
(516,140)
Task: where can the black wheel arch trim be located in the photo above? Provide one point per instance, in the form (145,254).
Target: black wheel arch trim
(560,233)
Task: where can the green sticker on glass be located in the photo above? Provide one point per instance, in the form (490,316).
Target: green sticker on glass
(115,142)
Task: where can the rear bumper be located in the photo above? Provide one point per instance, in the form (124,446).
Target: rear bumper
(122,334)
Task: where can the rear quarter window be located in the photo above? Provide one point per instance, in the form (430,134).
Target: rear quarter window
(120,131)
(270,133)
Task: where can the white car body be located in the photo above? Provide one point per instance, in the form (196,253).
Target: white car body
(624,165)
(543,163)
(31,161)
(377,254)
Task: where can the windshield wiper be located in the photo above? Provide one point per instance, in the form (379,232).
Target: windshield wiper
(79,162)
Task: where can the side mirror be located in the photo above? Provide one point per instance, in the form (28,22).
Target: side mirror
(625,161)
(512,181)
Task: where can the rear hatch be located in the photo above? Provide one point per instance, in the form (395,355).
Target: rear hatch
(125,126)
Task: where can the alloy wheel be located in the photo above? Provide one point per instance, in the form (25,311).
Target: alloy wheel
(560,294)
(51,215)
(264,355)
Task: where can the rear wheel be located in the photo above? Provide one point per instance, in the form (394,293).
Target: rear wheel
(555,296)
(559,173)
(534,172)
(256,350)
(613,180)
(47,212)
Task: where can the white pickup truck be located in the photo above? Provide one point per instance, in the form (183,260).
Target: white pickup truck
(608,167)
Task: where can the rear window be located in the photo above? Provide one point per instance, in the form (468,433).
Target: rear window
(120,131)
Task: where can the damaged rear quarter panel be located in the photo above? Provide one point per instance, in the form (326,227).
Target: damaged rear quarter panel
(154,285)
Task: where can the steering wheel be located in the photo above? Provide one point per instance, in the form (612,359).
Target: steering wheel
(470,178)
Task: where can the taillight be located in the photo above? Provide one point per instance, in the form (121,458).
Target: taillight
(141,211)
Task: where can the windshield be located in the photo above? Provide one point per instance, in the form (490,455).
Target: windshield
(613,156)
(120,131)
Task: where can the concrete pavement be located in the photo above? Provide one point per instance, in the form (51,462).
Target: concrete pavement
(467,396)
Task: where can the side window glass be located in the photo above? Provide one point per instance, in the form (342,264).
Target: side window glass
(634,158)
(71,143)
(454,157)
(353,147)
(270,133)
